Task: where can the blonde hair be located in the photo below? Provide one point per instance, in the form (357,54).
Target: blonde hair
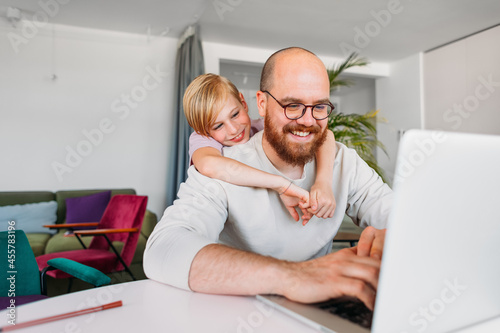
(204,98)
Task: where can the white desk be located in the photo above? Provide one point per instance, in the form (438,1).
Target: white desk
(149,306)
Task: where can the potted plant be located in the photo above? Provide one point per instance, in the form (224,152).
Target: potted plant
(357,131)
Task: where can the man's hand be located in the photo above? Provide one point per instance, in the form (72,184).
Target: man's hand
(371,243)
(343,273)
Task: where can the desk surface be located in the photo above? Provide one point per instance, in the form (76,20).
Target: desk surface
(149,306)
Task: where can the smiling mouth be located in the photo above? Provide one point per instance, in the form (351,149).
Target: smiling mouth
(239,137)
(300,133)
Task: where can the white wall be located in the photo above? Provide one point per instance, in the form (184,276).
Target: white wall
(246,77)
(399,100)
(103,123)
(358,98)
(462,85)
(215,52)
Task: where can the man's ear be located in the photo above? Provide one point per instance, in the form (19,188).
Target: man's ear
(262,103)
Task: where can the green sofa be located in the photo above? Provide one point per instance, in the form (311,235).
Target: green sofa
(42,243)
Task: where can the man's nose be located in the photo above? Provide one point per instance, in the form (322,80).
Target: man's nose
(307,119)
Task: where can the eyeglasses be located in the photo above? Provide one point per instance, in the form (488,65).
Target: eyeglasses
(295,111)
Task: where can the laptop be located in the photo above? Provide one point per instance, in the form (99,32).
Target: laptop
(441,266)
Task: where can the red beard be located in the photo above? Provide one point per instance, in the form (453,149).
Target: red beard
(294,153)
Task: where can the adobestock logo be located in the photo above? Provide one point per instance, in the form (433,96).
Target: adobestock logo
(121,106)
(417,157)
(104,295)
(255,319)
(31,28)
(363,36)
(138,93)
(461,111)
(74,156)
(222,6)
(426,315)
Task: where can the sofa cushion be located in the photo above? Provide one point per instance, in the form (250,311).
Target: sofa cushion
(61,197)
(24,197)
(38,242)
(61,242)
(88,208)
(29,217)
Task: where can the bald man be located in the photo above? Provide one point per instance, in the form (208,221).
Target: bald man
(227,239)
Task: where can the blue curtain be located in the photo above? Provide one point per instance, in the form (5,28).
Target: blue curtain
(188,65)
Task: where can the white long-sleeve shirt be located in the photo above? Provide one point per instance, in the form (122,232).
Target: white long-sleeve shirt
(254,219)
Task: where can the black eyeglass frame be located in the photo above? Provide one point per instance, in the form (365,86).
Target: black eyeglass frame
(305,108)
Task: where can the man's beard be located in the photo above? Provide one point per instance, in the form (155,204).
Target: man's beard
(296,154)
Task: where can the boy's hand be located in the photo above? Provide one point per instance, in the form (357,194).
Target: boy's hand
(321,200)
(295,196)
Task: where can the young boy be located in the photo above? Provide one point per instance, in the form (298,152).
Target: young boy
(218,113)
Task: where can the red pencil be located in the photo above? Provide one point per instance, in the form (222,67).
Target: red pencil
(61,316)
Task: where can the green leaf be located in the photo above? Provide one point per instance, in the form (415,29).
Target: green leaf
(356,131)
(352,60)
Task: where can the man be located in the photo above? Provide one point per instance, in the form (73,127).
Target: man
(226,239)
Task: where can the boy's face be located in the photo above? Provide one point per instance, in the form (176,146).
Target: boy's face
(232,125)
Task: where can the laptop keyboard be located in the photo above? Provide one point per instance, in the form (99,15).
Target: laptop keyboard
(349,308)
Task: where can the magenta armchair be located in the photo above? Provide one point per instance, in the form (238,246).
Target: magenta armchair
(121,221)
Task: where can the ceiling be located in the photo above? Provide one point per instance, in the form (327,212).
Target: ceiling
(381,30)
